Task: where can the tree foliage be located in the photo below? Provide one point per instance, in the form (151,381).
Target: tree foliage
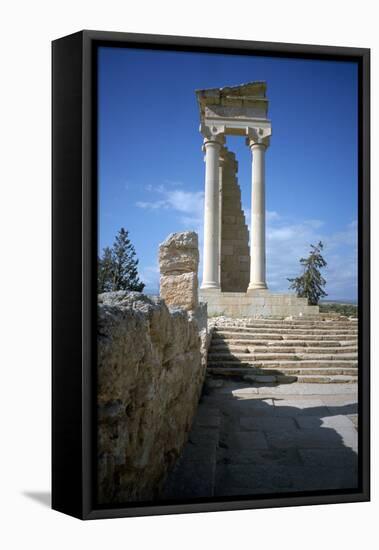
(310,284)
(117,267)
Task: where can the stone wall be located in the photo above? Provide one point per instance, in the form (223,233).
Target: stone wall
(150,375)
(151,368)
(256,304)
(235,252)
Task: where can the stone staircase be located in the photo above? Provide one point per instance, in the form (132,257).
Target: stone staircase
(305,350)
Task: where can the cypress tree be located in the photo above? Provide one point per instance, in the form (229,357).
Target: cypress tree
(117,268)
(310,284)
(125,264)
(105,271)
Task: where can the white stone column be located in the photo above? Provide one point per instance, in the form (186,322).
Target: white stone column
(211,255)
(258,218)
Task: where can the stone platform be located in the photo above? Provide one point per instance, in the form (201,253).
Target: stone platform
(254,440)
(255,303)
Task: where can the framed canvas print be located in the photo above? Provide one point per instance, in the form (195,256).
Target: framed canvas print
(210,275)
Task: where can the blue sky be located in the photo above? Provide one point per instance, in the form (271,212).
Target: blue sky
(151,169)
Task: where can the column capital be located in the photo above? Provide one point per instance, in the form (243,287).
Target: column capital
(258,136)
(213,134)
(214,141)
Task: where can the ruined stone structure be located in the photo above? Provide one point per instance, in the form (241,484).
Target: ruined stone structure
(234,234)
(151,368)
(178,264)
(234,281)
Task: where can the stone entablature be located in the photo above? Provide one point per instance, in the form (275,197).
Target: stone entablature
(234,109)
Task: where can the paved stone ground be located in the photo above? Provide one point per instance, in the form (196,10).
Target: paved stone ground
(249,440)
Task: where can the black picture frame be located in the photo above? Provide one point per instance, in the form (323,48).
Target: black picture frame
(74,205)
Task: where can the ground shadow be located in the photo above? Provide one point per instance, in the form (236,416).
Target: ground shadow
(42,497)
(266,445)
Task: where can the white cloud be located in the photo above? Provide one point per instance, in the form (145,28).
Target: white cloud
(187,204)
(152,205)
(272,215)
(288,240)
(173,183)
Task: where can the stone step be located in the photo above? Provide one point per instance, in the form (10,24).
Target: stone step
(286,330)
(225,356)
(230,335)
(300,323)
(225,347)
(320,379)
(280,324)
(286,377)
(215,368)
(282,364)
(281,343)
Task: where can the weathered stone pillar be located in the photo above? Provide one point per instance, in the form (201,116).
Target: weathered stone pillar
(258,215)
(178,265)
(211,255)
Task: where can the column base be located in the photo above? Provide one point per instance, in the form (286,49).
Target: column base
(210,286)
(257,286)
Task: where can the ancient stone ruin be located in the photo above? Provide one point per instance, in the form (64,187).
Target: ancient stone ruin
(234,279)
(151,368)
(178,265)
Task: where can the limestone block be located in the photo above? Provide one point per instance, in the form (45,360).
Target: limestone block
(231,194)
(180,290)
(256,303)
(230,232)
(229,262)
(231,207)
(227,249)
(150,373)
(243,233)
(237,242)
(179,253)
